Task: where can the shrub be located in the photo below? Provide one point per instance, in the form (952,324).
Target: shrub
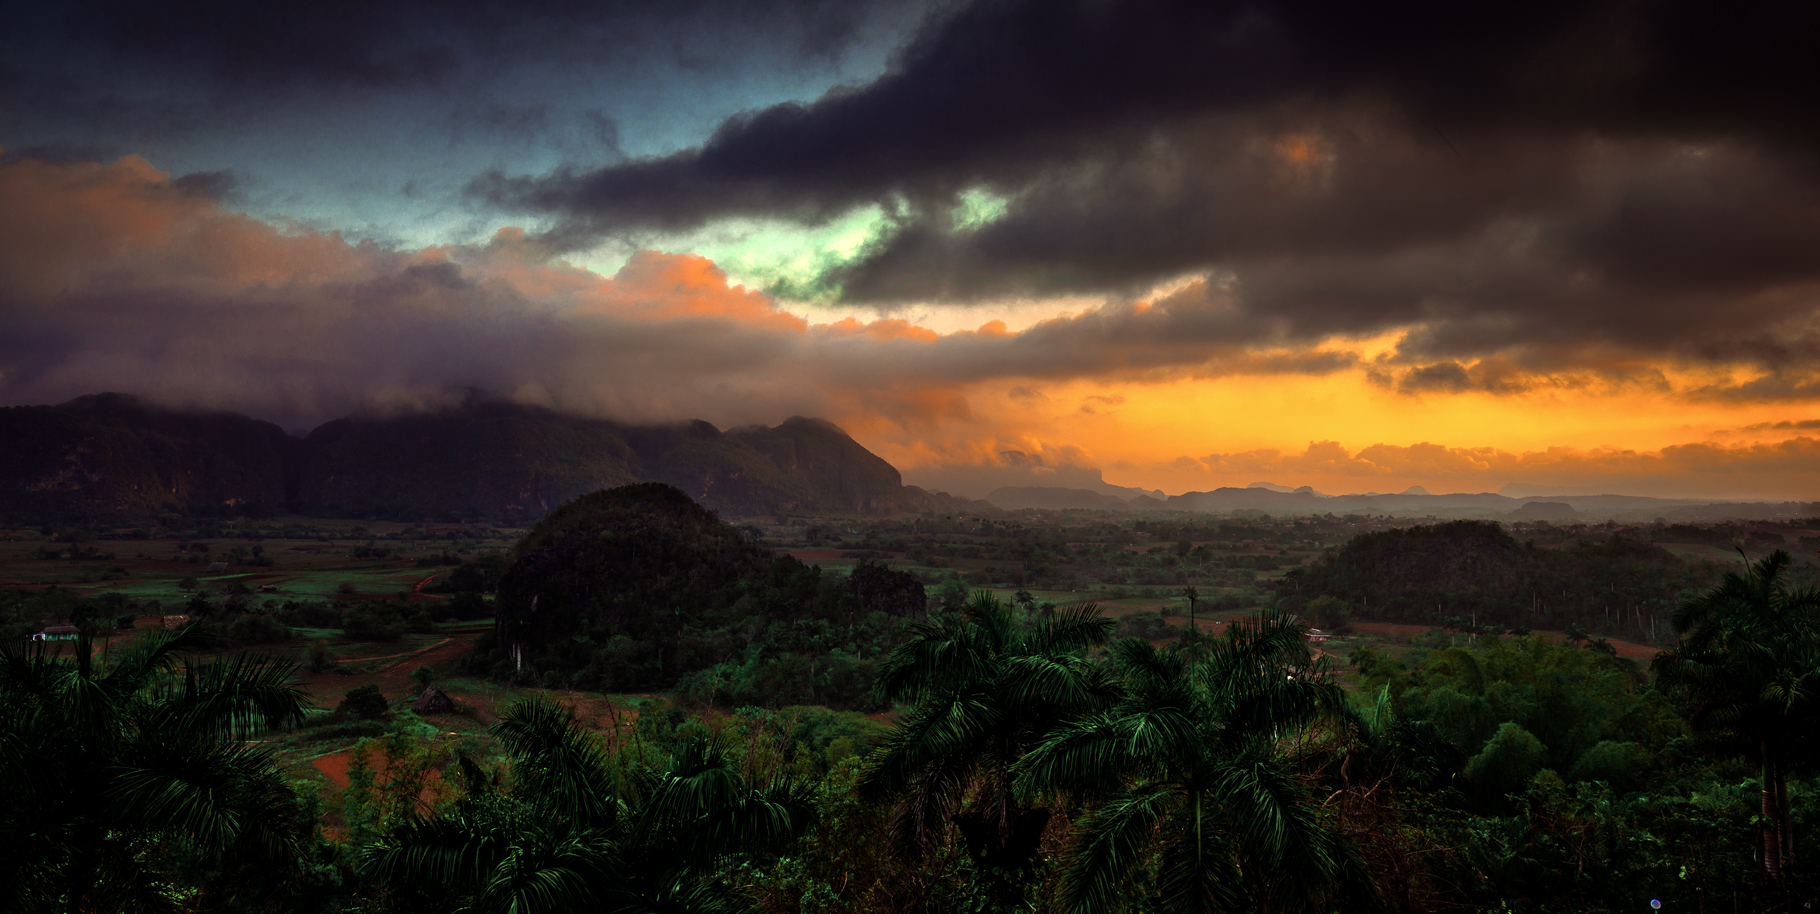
(368,624)
(1331,613)
(365,703)
(466,606)
(1507,762)
(346,588)
(239,631)
(1149,626)
(320,658)
(311,615)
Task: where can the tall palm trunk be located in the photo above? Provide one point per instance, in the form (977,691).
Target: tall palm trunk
(1770,830)
(1785,822)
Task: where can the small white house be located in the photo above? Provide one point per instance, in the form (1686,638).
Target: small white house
(58,633)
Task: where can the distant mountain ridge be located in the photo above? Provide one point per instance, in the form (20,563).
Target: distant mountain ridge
(1413,502)
(115,455)
(1488,505)
(1054,498)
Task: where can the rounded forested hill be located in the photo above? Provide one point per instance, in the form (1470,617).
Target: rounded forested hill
(633,587)
(631,555)
(1475,570)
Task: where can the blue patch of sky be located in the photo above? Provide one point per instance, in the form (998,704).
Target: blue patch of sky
(391,164)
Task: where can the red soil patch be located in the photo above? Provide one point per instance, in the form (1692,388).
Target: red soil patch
(335,767)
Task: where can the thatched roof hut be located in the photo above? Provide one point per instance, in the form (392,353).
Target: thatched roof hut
(433,701)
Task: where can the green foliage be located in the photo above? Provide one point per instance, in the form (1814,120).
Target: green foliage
(241,631)
(1187,784)
(1465,570)
(311,614)
(1510,758)
(985,690)
(1746,673)
(1570,699)
(383,622)
(1146,626)
(640,588)
(131,785)
(1331,613)
(563,839)
(465,606)
(364,703)
(319,657)
(393,780)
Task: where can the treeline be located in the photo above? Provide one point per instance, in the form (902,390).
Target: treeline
(1471,572)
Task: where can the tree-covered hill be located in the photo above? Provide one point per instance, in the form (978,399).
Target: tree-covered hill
(1476,572)
(638,587)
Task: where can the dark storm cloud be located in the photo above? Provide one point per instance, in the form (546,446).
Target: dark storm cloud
(1555,184)
(237,48)
(1002,89)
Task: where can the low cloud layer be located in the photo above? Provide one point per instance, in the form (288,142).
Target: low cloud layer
(120,277)
(115,276)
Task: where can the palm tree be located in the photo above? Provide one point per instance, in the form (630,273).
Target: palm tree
(1188,769)
(118,777)
(573,835)
(1748,671)
(984,691)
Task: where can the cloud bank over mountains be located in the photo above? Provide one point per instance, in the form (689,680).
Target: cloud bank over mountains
(119,277)
(1155,243)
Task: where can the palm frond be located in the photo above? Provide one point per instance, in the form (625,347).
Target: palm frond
(1074,627)
(1111,841)
(559,764)
(1199,873)
(930,732)
(238,696)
